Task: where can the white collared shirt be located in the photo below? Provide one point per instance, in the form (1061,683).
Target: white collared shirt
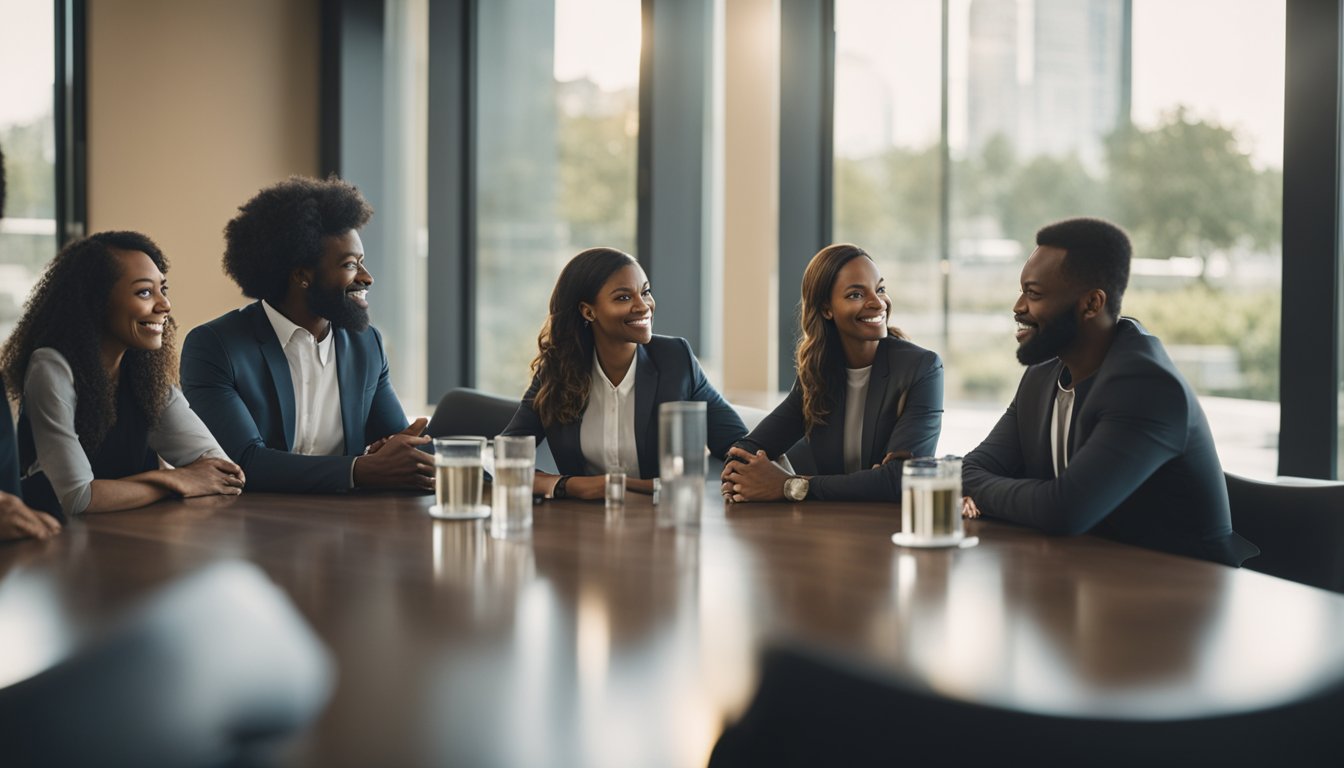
(1061,420)
(856,397)
(607,434)
(317,391)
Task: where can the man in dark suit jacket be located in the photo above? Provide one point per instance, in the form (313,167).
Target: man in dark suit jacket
(295,387)
(1104,435)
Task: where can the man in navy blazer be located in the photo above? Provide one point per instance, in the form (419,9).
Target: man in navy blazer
(1104,434)
(295,386)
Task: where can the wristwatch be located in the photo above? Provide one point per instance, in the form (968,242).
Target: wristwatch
(795,488)
(559,492)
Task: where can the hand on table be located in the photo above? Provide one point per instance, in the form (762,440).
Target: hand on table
(395,461)
(968,508)
(18,521)
(754,478)
(207,476)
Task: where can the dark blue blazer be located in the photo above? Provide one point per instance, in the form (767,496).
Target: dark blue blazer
(1142,464)
(9,451)
(236,377)
(665,371)
(902,412)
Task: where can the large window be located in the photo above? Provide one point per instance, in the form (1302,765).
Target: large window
(557,105)
(27,138)
(1165,116)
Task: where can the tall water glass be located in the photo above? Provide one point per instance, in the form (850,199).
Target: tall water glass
(931,500)
(681,462)
(458,478)
(515,463)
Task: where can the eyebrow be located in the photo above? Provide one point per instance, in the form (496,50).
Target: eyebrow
(624,289)
(149,280)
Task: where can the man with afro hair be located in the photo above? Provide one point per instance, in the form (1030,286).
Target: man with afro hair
(295,385)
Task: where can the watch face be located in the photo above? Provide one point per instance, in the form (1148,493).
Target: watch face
(795,488)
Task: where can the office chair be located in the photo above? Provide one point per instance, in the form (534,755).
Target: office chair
(211,670)
(466,411)
(1298,525)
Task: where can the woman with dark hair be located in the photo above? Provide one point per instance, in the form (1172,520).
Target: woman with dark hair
(92,363)
(600,375)
(865,397)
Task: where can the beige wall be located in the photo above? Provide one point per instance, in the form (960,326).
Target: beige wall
(193,105)
(751,198)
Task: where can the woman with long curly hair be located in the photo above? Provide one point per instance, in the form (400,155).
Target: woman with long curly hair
(865,397)
(600,374)
(92,364)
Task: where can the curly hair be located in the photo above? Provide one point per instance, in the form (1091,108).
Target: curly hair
(563,365)
(67,311)
(819,351)
(281,229)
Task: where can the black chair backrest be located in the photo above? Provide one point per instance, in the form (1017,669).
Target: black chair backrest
(466,411)
(1298,527)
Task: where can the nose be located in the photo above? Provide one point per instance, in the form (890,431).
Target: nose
(639,306)
(364,275)
(163,306)
(1020,306)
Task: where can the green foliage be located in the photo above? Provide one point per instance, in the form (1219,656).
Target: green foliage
(30,170)
(597,170)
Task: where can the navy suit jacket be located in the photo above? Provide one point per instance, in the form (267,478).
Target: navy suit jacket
(9,451)
(902,412)
(1142,464)
(236,377)
(665,371)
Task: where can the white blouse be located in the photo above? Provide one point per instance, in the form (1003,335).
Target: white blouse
(856,397)
(607,433)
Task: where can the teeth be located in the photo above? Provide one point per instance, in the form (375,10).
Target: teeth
(153,326)
(359,294)
(1021,326)
(874,320)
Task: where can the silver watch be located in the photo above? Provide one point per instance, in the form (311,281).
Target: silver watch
(795,488)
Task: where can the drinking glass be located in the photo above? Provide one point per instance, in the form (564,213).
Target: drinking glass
(458,478)
(681,462)
(931,500)
(515,464)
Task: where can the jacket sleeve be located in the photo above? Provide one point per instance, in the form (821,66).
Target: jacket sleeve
(723,425)
(916,431)
(525,421)
(1140,427)
(386,416)
(780,428)
(208,381)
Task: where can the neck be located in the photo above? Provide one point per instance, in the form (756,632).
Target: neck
(295,308)
(858,354)
(1089,351)
(110,354)
(615,357)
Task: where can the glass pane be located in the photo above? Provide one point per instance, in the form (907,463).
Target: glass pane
(1163,116)
(27,138)
(557,121)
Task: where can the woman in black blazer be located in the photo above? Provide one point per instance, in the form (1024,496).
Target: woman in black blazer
(865,398)
(600,375)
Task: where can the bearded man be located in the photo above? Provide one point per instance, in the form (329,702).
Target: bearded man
(295,386)
(1104,435)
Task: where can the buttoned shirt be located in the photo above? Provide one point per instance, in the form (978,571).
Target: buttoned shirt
(318,430)
(607,433)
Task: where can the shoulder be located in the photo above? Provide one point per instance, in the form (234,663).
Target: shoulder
(46,363)
(1138,366)
(671,350)
(903,355)
(230,326)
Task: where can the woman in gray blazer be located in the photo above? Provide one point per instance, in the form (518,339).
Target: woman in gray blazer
(92,362)
(865,397)
(600,375)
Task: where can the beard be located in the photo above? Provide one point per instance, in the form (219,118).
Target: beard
(1050,339)
(337,308)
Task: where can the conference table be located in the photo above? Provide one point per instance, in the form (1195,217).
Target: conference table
(607,640)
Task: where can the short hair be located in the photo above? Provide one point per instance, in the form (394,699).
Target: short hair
(281,229)
(1096,255)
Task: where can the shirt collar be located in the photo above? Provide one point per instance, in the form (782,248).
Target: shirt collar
(627,384)
(286,329)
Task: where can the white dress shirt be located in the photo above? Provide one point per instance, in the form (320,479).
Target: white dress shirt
(318,430)
(856,397)
(607,433)
(1061,420)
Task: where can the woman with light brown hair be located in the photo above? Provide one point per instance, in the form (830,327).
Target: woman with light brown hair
(865,397)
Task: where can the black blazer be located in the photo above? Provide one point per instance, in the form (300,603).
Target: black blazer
(665,371)
(236,377)
(903,412)
(1142,464)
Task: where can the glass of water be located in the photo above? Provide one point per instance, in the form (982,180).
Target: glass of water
(931,500)
(615,490)
(458,478)
(515,464)
(681,462)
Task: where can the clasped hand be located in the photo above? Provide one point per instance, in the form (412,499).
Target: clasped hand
(395,461)
(752,477)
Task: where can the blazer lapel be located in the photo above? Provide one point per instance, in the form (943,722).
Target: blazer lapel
(351,391)
(646,402)
(878,379)
(278,367)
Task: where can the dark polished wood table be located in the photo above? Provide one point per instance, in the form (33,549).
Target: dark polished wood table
(609,641)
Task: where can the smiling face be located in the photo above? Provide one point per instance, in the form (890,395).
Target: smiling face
(858,305)
(623,308)
(338,289)
(138,306)
(1047,312)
